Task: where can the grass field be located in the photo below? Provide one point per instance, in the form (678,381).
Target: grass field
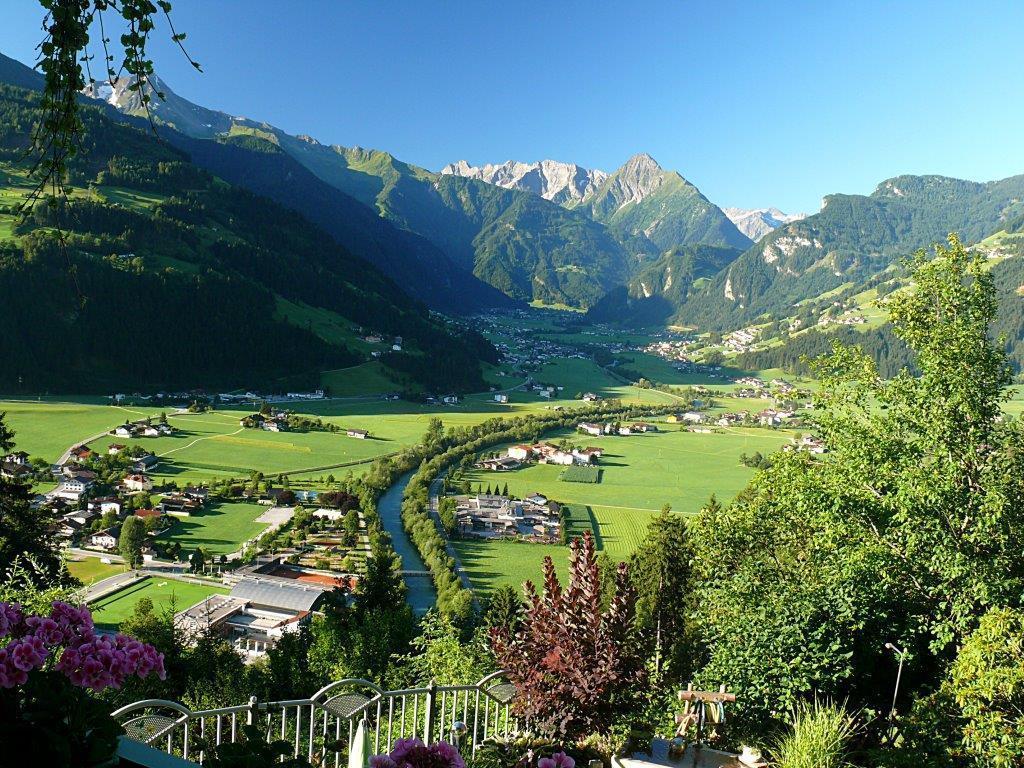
(220,528)
(580,474)
(89,570)
(47,428)
(164,592)
(639,474)
(212,444)
(367,379)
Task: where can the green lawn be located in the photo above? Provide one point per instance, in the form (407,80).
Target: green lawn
(164,592)
(491,564)
(48,428)
(213,444)
(640,473)
(220,528)
(89,570)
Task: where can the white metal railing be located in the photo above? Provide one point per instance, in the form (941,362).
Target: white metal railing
(325,724)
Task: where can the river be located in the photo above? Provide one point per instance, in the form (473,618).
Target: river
(421,595)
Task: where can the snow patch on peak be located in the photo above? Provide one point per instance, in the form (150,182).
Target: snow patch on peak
(755,223)
(553,180)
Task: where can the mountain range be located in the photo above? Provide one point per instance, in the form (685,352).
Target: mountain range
(549,232)
(638,245)
(170,276)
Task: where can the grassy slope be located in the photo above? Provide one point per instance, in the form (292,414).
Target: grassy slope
(49,428)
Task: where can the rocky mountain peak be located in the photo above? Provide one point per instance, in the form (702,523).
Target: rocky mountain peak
(562,183)
(755,223)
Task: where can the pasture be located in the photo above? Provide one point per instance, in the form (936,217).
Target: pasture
(166,593)
(639,475)
(48,428)
(213,444)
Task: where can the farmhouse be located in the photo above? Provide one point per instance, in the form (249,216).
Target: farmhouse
(143,428)
(137,482)
(10,470)
(277,422)
(590,397)
(106,504)
(145,462)
(520,452)
(80,453)
(106,539)
(71,489)
(590,428)
(500,464)
(551,454)
(501,398)
(359,434)
(115,448)
(586,455)
(180,505)
(18,457)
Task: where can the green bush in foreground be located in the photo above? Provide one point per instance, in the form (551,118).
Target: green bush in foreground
(820,737)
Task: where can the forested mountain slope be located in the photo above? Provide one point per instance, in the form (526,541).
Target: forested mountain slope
(852,237)
(173,278)
(654,295)
(526,247)
(245,159)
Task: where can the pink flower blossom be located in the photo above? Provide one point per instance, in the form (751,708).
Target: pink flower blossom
(88,660)
(28,653)
(413,753)
(557,760)
(10,617)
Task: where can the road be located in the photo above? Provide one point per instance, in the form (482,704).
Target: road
(109,584)
(421,595)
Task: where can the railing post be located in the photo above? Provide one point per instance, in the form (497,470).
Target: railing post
(428,714)
(250,715)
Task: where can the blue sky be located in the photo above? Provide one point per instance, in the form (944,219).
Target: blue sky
(757,103)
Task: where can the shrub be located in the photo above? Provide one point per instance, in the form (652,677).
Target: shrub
(987,682)
(575,667)
(820,737)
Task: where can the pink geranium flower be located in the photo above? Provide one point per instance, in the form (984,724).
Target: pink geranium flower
(68,635)
(557,760)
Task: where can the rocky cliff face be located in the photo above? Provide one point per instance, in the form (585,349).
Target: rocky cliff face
(562,183)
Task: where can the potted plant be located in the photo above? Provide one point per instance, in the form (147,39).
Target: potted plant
(48,667)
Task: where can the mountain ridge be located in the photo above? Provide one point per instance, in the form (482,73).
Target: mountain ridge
(755,223)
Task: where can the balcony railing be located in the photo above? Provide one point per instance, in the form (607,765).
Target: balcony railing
(324,725)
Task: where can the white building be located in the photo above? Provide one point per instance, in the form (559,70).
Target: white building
(138,482)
